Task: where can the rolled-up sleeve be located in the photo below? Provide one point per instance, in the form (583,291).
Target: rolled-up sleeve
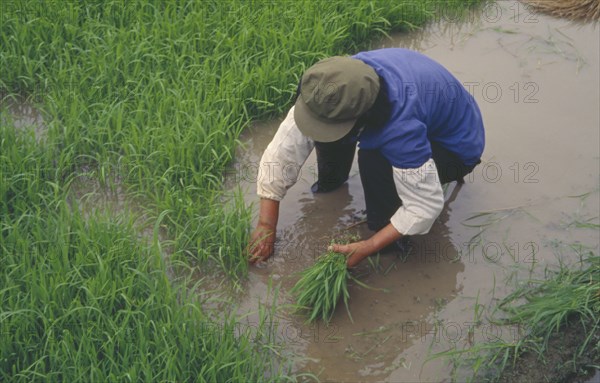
(280,164)
(422,198)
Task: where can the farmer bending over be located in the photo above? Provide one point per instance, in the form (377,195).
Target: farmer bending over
(416,127)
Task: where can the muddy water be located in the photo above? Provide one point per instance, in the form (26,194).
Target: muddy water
(23,116)
(537,83)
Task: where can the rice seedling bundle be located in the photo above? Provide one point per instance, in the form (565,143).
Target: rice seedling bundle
(321,286)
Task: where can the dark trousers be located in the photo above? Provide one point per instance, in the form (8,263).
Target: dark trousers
(335,159)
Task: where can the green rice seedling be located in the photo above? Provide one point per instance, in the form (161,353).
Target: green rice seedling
(84,299)
(321,286)
(540,309)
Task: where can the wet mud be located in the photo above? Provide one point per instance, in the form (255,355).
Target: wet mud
(558,364)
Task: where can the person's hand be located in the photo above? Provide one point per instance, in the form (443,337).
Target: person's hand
(261,244)
(355,252)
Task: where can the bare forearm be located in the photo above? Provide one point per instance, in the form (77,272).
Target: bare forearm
(262,239)
(382,238)
(268,213)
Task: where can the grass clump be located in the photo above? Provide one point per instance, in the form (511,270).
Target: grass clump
(558,320)
(321,286)
(567,302)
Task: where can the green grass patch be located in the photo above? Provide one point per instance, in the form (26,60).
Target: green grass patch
(83,299)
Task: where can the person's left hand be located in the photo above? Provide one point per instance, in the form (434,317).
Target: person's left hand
(355,252)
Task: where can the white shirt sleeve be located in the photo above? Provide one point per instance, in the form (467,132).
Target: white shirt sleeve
(422,198)
(280,164)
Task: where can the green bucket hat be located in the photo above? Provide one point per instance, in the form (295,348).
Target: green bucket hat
(334,93)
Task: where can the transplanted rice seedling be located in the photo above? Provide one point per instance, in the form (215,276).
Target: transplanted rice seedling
(539,309)
(83,299)
(321,285)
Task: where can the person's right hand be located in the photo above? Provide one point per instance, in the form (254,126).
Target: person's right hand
(261,244)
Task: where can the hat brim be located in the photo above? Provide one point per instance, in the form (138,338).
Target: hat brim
(318,129)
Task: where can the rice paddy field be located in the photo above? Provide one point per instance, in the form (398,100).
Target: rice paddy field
(144,100)
(129,131)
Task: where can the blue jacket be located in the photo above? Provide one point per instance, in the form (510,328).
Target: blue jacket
(427,104)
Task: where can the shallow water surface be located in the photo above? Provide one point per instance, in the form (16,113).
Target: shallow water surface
(536,81)
(23,115)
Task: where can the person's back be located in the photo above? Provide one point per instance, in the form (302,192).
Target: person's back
(428,104)
(417,128)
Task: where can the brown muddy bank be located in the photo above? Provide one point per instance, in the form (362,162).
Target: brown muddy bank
(559,364)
